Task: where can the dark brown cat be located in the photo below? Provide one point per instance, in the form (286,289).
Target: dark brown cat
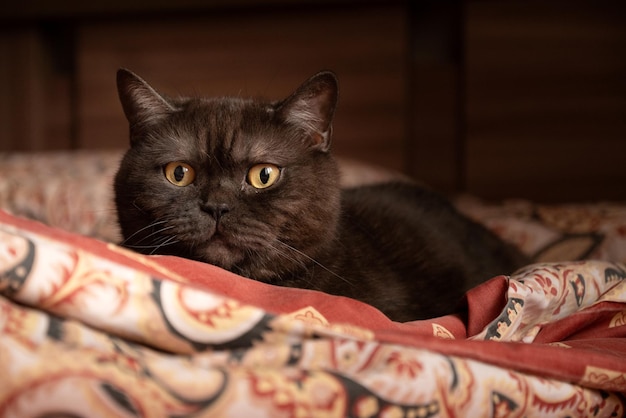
(250,186)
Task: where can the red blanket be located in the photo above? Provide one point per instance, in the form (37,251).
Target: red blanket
(90,329)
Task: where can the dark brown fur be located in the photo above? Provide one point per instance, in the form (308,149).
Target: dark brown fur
(397,246)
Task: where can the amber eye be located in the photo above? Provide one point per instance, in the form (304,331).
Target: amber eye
(179,174)
(263,175)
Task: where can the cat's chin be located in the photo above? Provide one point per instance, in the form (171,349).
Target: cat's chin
(220,254)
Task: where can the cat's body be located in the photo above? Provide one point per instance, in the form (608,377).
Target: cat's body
(250,186)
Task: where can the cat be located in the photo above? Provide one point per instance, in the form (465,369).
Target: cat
(251,186)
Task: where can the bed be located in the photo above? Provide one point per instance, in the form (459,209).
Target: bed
(90,329)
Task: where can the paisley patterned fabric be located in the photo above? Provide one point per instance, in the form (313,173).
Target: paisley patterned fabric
(555,232)
(89,329)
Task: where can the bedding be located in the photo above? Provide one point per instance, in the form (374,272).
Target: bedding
(90,329)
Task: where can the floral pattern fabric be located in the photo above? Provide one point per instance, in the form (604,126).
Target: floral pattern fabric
(70,190)
(89,329)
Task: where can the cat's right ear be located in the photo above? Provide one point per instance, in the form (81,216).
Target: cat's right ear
(142,104)
(312,106)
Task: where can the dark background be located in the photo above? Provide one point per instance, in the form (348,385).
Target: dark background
(520,98)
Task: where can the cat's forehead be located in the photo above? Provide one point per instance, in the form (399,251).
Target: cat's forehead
(227,111)
(233,129)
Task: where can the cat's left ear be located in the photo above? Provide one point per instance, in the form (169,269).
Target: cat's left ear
(312,107)
(141,103)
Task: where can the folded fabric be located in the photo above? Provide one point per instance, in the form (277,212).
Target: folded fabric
(90,329)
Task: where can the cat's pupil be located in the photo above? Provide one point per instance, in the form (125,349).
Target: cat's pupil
(264,175)
(179,173)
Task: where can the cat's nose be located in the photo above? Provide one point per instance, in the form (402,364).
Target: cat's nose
(217,210)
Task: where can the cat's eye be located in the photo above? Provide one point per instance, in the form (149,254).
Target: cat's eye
(263,175)
(179,174)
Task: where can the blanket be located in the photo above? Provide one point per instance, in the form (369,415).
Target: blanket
(90,329)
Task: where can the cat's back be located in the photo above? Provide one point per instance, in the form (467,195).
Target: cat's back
(411,234)
(410,214)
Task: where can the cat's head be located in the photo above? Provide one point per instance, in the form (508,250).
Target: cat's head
(248,185)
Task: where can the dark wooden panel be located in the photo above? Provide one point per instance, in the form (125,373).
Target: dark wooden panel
(256,54)
(34,99)
(436,94)
(546,99)
(25,10)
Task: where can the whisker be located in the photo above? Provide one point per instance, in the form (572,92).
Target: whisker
(166,241)
(151,225)
(170,241)
(285,254)
(155,233)
(288,256)
(154,242)
(142,247)
(315,262)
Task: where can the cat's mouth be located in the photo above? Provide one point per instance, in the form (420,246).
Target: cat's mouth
(221,252)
